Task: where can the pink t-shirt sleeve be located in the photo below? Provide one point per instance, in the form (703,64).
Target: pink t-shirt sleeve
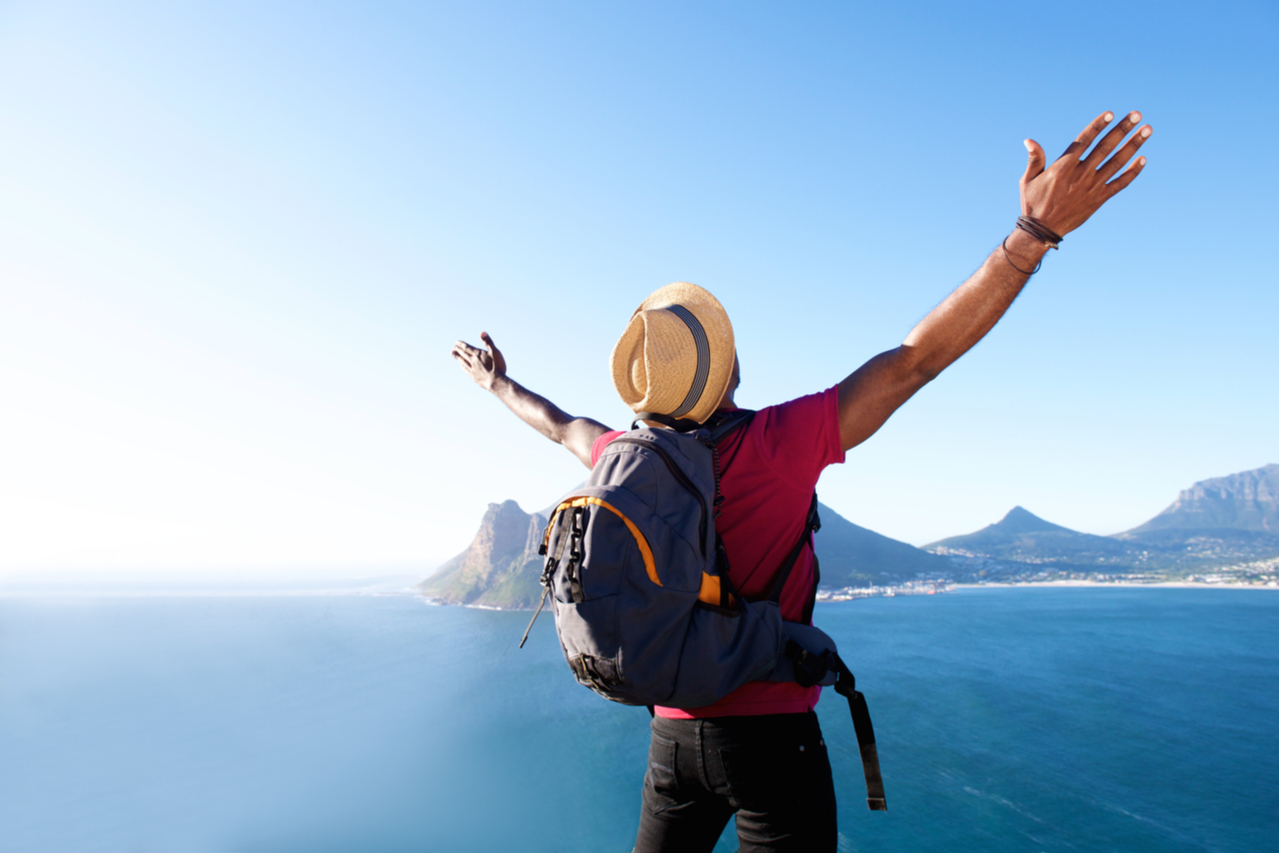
(601,443)
(799,438)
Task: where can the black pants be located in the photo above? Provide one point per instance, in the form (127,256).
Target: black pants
(771,771)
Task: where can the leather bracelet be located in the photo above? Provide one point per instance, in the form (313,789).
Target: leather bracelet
(1039,231)
(1005,249)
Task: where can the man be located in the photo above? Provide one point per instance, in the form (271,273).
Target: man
(758,753)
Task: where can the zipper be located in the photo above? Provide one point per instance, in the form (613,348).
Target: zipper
(682,478)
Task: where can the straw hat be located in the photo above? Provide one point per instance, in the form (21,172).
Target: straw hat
(676,355)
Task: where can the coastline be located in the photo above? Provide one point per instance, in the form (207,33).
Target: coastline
(944,587)
(1126,584)
(824,595)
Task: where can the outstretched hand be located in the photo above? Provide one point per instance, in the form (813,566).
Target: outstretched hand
(485,366)
(489,370)
(1065,195)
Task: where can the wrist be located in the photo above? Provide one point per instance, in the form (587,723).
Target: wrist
(1024,249)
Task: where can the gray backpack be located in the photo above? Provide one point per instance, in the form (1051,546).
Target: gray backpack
(638,579)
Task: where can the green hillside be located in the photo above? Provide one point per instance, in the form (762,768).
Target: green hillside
(849,555)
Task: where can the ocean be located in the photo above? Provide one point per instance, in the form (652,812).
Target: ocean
(1016,719)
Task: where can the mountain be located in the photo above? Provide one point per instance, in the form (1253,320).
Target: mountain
(1244,501)
(1024,537)
(1223,522)
(849,555)
(501,567)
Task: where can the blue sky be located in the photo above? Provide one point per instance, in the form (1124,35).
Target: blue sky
(238,241)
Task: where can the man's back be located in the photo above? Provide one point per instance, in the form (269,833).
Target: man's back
(768,471)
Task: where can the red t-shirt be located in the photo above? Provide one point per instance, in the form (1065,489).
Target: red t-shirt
(768,471)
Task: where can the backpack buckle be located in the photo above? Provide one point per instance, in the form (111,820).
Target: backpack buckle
(810,668)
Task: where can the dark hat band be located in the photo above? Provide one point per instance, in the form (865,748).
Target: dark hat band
(703,369)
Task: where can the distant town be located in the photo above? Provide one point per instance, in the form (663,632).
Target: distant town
(974,571)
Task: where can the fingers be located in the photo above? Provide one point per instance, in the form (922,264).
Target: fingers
(1090,133)
(1112,139)
(1126,177)
(474,358)
(464,352)
(495,359)
(1035,160)
(1125,154)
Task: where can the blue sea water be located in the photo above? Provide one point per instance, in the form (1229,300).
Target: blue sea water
(1007,719)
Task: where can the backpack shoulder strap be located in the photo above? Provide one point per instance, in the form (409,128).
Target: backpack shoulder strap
(721,424)
(677,424)
(811,526)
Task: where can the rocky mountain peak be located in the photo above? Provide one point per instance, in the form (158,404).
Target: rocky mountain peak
(498,568)
(1244,501)
(504,530)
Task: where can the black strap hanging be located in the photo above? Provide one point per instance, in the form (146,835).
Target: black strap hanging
(866,735)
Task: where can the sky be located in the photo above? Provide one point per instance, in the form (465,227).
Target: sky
(237,242)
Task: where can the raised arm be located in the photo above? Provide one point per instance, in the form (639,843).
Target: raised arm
(489,369)
(1061,198)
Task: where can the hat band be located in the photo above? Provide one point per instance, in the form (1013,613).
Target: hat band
(703,369)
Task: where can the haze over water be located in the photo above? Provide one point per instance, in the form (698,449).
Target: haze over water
(1008,719)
